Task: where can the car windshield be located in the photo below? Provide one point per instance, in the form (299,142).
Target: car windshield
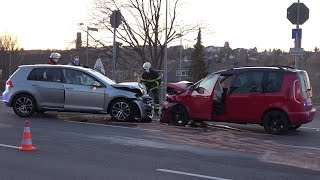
(208,81)
(102,77)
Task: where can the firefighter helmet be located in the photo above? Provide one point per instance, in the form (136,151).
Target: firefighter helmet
(146,65)
(54,55)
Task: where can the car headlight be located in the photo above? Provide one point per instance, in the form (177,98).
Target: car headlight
(146,99)
(143,88)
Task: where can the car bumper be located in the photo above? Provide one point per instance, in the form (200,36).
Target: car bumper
(5,98)
(297,118)
(164,118)
(146,110)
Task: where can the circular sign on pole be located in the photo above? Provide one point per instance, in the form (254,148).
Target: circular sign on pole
(292,13)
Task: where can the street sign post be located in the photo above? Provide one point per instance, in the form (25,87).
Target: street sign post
(115,21)
(298,13)
(115,18)
(296,33)
(296,51)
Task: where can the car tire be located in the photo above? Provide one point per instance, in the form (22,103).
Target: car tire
(24,105)
(275,122)
(121,110)
(178,116)
(295,127)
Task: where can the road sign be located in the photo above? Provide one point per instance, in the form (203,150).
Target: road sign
(296,51)
(296,33)
(99,66)
(292,13)
(115,19)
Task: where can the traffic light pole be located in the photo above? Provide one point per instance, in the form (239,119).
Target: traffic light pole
(114,53)
(115,21)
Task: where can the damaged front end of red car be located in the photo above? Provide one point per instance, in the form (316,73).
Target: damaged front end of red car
(174,90)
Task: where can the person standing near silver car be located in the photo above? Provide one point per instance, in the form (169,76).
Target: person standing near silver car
(54,58)
(76,61)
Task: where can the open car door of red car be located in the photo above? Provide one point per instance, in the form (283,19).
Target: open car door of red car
(200,98)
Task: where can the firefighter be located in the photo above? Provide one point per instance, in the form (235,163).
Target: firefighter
(152,81)
(54,58)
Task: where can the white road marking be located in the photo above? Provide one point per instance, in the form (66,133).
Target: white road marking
(304,147)
(8,146)
(106,125)
(318,129)
(191,174)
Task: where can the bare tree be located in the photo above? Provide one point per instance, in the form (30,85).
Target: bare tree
(143,25)
(9,42)
(8,45)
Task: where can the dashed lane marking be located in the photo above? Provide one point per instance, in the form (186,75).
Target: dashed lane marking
(304,147)
(8,146)
(318,129)
(191,174)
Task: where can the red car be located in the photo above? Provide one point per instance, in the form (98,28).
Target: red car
(278,98)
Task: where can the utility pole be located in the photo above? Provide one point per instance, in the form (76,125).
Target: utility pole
(87,50)
(165,66)
(297,42)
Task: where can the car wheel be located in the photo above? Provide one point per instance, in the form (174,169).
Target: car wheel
(295,127)
(178,116)
(275,122)
(121,110)
(24,105)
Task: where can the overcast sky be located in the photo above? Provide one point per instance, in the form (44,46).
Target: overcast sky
(48,24)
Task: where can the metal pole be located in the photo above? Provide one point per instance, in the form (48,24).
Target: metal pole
(114,50)
(87,55)
(10,63)
(165,77)
(297,44)
(180,57)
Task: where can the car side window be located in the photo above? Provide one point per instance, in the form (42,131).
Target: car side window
(46,74)
(78,77)
(248,82)
(273,82)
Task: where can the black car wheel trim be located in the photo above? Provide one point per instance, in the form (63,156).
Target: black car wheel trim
(178,116)
(275,122)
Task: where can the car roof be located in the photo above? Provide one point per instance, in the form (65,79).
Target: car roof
(52,66)
(237,70)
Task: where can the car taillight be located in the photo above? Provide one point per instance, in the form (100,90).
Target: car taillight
(9,84)
(297,92)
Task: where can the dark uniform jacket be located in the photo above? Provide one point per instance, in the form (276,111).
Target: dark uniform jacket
(151,80)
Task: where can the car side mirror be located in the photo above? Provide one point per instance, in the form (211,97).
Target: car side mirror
(192,88)
(200,90)
(96,84)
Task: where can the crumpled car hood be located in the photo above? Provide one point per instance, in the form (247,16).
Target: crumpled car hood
(127,84)
(131,86)
(181,86)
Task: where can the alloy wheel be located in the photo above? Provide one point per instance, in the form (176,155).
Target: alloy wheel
(121,110)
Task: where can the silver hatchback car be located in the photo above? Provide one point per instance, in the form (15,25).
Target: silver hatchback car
(40,88)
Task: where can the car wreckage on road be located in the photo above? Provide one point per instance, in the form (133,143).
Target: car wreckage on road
(278,98)
(40,88)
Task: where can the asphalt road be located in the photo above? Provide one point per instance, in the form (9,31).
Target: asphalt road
(69,149)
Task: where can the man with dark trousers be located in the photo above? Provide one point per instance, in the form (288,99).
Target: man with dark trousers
(152,80)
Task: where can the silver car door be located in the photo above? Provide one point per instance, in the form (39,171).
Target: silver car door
(47,86)
(80,94)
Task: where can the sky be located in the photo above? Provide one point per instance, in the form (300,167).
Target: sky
(48,24)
